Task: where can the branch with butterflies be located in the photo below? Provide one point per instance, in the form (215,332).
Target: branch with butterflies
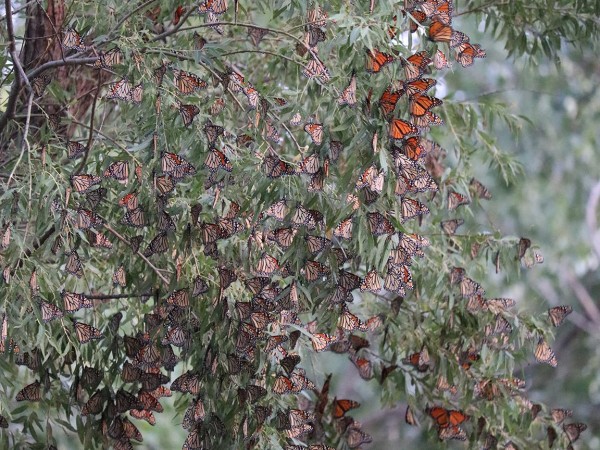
(249,222)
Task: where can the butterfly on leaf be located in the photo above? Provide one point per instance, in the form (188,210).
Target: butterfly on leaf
(348,95)
(376,60)
(315,131)
(85,333)
(72,40)
(558,314)
(188,83)
(544,354)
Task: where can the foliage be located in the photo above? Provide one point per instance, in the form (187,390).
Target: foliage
(188,308)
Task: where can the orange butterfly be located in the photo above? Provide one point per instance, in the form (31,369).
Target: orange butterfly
(439,32)
(389,99)
(399,129)
(376,60)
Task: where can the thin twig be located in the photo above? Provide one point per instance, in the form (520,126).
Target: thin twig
(91,127)
(127,16)
(18,9)
(584,297)
(72,61)
(177,27)
(112,296)
(20,76)
(152,266)
(590,218)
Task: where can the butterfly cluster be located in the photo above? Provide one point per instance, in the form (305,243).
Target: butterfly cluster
(252,277)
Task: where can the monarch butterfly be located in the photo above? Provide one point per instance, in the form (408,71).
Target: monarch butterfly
(85,332)
(445,418)
(379,224)
(376,60)
(304,217)
(317,17)
(289,362)
(215,6)
(317,180)
(389,99)
(83,183)
(452,432)
(296,120)
(480,189)
(176,166)
(355,437)
(158,244)
(342,406)
(458,38)
(349,321)
(187,112)
(314,270)
(335,149)
(72,40)
(296,432)
(371,282)
(466,53)
(544,354)
(278,210)
(188,382)
(417,18)
(118,170)
(180,298)
(316,244)
(283,237)
(135,218)
(267,265)
(109,58)
(50,312)
(415,65)
(449,227)
(574,430)
(118,277)
(419,104)
(159,73)
(440,61)
(499,304)
(321,341)
(399,129)
(143,415)
(188,83)
(130,201)
(412,208)
(412,148)
(212,131)
(343,230)
(39,84)
(217,107)
(73,265)
(256,35)
(440,32)
(456,199)
(409,416)
(348,280)
(121,90)
(251,94)
(558,314)
(469,287)
(309,165)
(348,95)
(136,95)
(276,168)
(315,131)
(440,11)
(94,405)
(316,69)
(398,278)
(148,402)
(165,184)
(74,302)
(226,277)
(364,366)
(217,160)
(426,120)
(313,36)
(559,414)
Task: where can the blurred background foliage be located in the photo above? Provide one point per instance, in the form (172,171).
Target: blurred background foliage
(533,142)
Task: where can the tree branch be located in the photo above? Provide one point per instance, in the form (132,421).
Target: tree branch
(152,266)
(91,127)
